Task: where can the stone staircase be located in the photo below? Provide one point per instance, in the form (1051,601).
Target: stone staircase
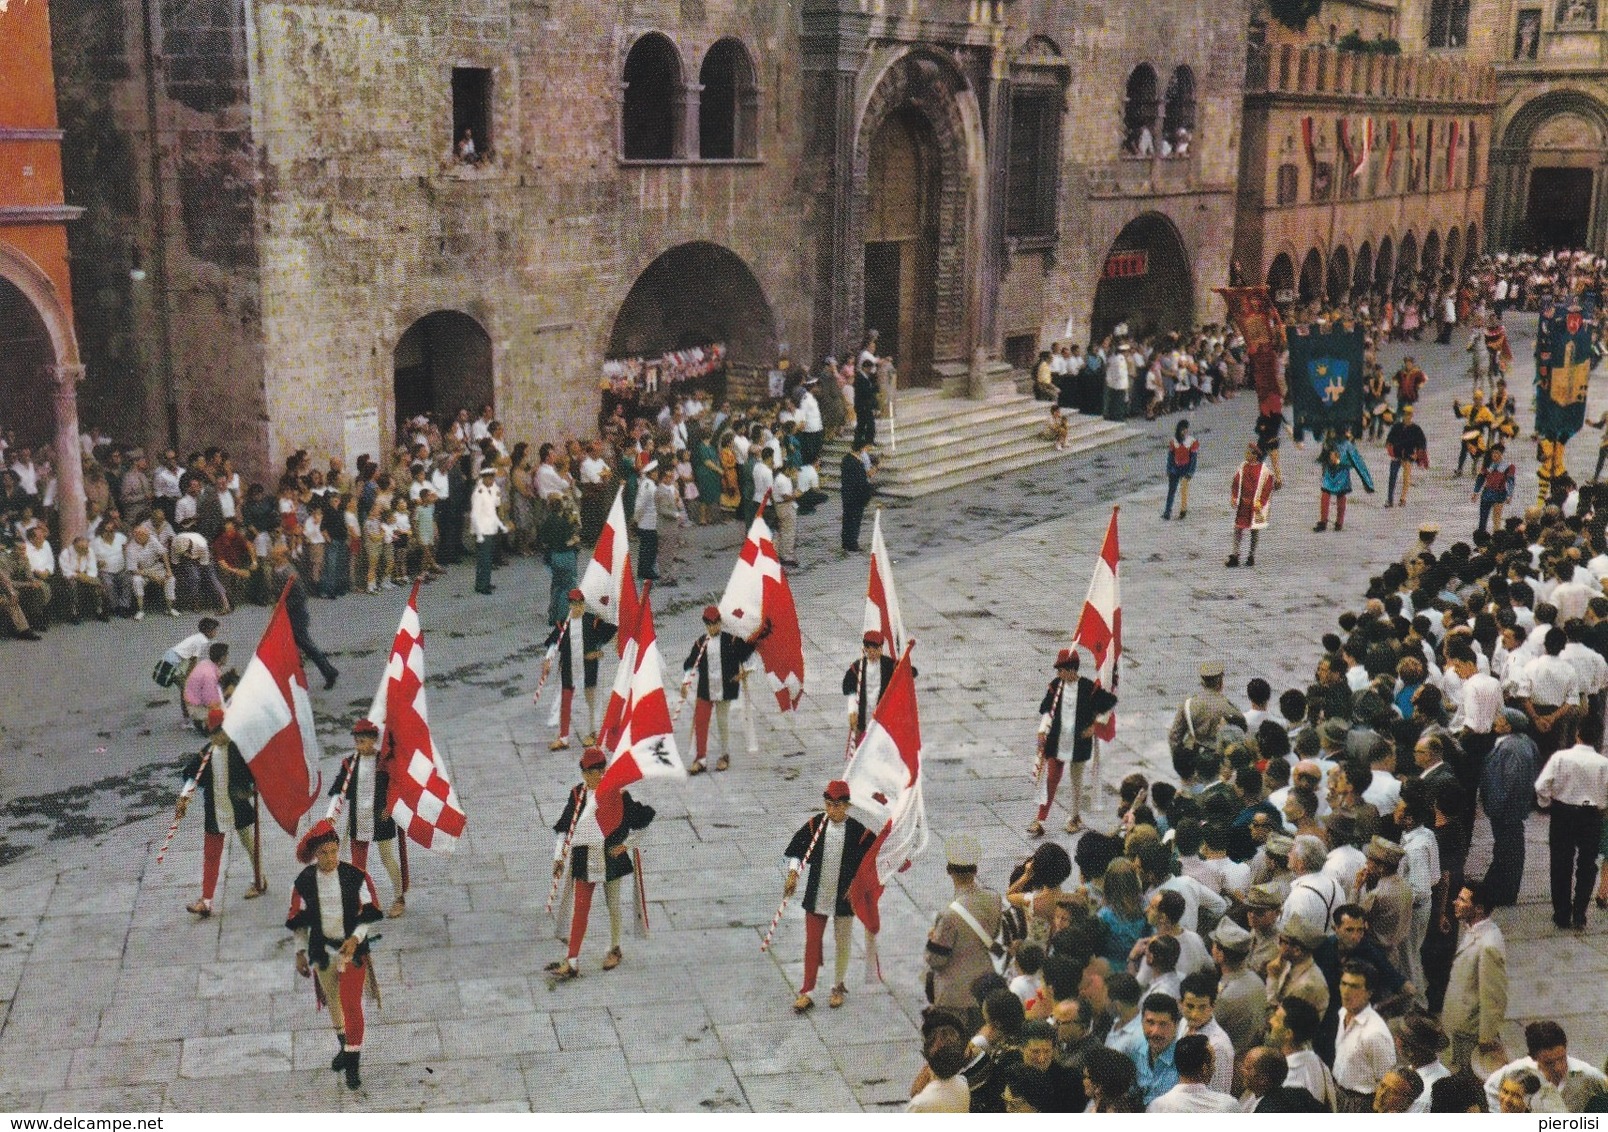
(946,441)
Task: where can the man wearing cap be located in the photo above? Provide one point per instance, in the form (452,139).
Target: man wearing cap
(1263,904)
(1419,1042)
(1387,899)
(1195,726)
(332,906)
(1089,703)
(577,666)
(960,944)
(863,686)
(715,663)
(1241,1007)
(1507,794)
(1292,973)
(1270,866)
(228,797)
(485,524)
(581,839)
(364,787)
(831,846)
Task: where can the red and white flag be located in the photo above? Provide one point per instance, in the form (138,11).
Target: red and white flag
(884,780)
(423,802)
(882,597)
(758,600)
(613,725)
(609,585)
(270,718)
(647,744)
(1099,627)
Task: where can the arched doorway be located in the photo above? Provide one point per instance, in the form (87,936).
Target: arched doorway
(1281,278)
(27,357)
(1339,275)
(1384,267)
(1407,260)
(1431,257)
(1362,273)
(1311,285)
(1453,246)
(1547,174)
(900,244)
(693,295)
(442,363)
(1145,281)
(1471,248)
(912,226)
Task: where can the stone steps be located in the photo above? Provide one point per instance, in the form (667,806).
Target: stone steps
(944,442)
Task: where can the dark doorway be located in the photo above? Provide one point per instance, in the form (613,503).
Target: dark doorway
(443,364)
(901,242)
(1145,281)
(1559,208)
(27,387)
(882,293)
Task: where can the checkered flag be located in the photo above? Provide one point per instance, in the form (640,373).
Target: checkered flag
(423,802)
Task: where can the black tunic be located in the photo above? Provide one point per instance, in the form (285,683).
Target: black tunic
(854,684)
(242,789)
(734,653)
(356,908)
(595,633)
(376,794)
(857,842)
(1093,701)
(637,816)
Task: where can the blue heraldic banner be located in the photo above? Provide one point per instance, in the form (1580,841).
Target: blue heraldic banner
(1325,377)
(1563,363)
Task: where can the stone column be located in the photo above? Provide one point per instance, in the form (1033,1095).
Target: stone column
(69,458)
(691,97)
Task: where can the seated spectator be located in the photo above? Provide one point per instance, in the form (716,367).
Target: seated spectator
(80,574)
(236,560)
(33,593)
(148,564)
(110,548)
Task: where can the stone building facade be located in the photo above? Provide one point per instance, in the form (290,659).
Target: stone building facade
(1359,171)
(39,364)
(971,176)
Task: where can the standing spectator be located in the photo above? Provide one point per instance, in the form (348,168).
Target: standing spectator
(1567,1083)
(672,518)
(1507,794)
(784,496)
(1364,1049)
(961,942)
(646,517)
(855,485)
(1116,384)
(485,524)
(559,538)
(1477,994)
(1573,790)
(1194,1091)
(866,391)
(1153,1054)
(135,492)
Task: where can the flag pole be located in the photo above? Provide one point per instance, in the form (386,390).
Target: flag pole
(206,757)
(256,841)
(686,681)
(859,682)
(563,856)
(765,943)
(1038,763)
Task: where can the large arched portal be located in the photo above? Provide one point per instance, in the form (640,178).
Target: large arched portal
(442,363)
(692,295)
(918,169)
(1311,285)
(1339,275)
(27,361)
(1281,278)
(1145,281)
(901,301)
(1362,273)
(1547,174)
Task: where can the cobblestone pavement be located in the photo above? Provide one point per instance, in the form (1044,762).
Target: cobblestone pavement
(112,997)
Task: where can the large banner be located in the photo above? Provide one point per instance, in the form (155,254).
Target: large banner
(1325,376)
(1563,366)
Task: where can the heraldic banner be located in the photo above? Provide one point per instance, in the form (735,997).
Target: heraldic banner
(1563,366)
(1324,377)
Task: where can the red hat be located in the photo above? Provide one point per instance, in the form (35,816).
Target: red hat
(836,791)
(873,639)
(1066,658)
(215,719)
(711,613)
(577,595)
(321,832)
(593,758)
(365,726)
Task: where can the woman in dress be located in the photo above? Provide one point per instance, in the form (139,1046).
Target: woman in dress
(706,473)
(1183,454)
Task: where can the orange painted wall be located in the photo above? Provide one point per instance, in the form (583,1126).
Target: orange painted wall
(30,168)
